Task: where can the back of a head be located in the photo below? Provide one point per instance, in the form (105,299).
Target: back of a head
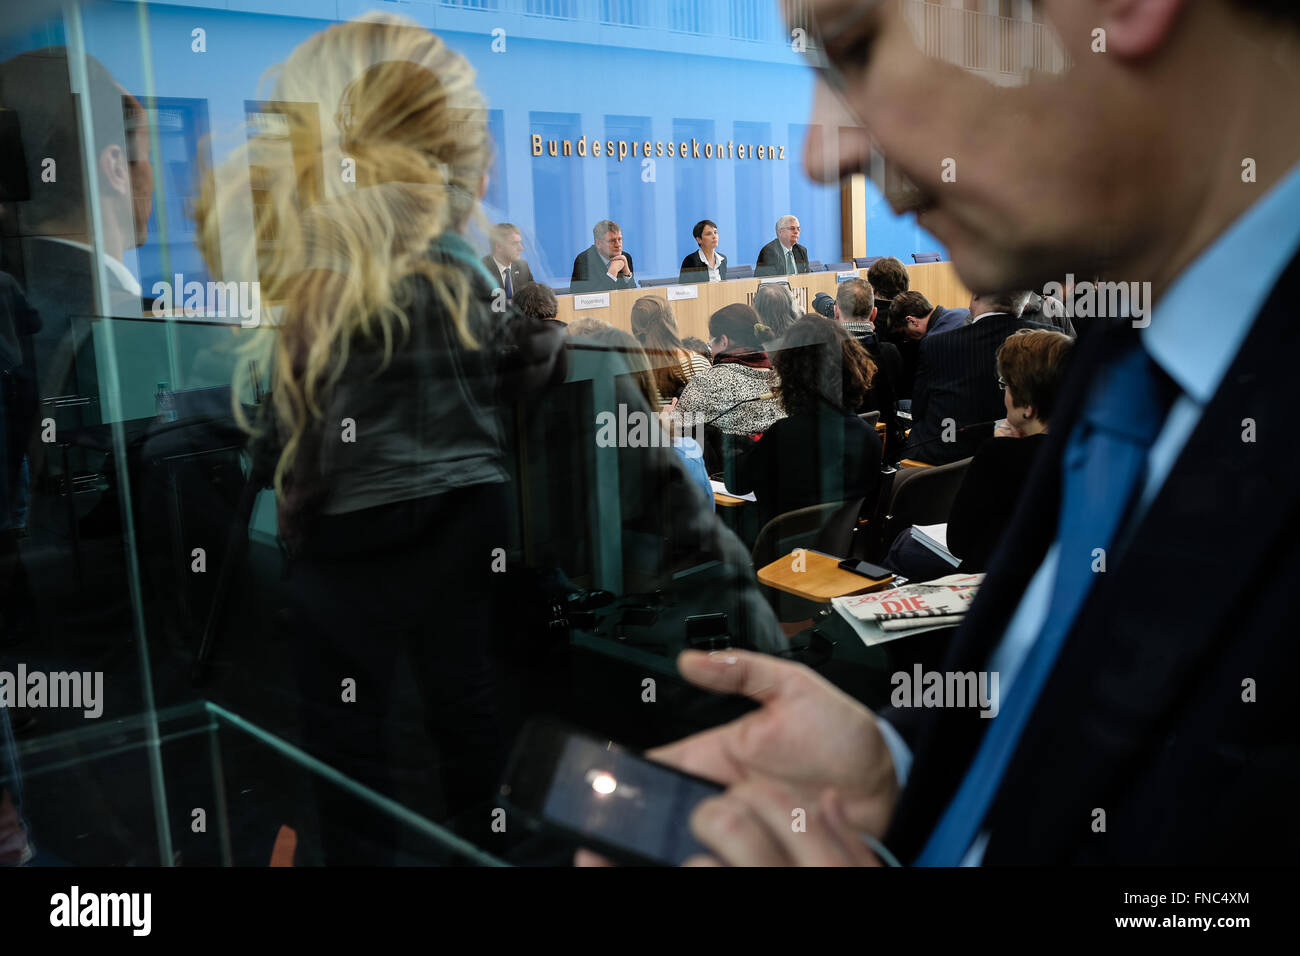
(616,340)
(819,363)
(775,307)
(1012,303)
(856,299)
(537,301)
(1033,363)
(741,324)
(392,97)
(586,326)
(653,324)
(888,276)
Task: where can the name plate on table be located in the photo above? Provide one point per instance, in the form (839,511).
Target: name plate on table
(683,292)
(841,276)
(591,300)
(766,279)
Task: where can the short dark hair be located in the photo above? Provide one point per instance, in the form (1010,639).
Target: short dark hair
(536,301)
(819,361)
(888,276)
(856,299)
(908,304)
(699,227)
(1032,362)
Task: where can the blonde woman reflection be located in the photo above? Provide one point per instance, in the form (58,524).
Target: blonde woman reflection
(382,435)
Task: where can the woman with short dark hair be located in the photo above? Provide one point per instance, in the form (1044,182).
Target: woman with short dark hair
(706,264)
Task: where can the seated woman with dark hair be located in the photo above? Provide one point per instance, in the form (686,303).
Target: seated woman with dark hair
(707,264)
(1031,366)
(821,451)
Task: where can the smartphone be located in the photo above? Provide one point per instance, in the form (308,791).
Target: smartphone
(596,794)
(866,569)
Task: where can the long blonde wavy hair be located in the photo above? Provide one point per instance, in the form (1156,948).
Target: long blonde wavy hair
(385,100)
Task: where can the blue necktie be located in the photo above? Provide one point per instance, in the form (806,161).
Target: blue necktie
(1105,461)
(510,286)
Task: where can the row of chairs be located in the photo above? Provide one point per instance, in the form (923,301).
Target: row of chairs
(861,528)
(747,272)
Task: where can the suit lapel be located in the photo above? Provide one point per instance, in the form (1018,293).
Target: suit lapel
(1132,651)
(947,737)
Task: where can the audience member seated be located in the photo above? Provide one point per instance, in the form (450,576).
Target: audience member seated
(706,264)
(889,279)
(587,325)
(734,400)
(673,363)
(956,396)
(854,308)
(911,318)
(821,451)
(687,448)
(537,301)
(505,262)
(783,256)
(699,347)
(603,265)
(774,304)
(1031,365)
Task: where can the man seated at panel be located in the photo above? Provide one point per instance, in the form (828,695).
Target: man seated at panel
(505,263)
(783,256)
(603,265)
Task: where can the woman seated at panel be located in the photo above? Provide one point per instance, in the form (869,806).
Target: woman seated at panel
(673,363)
(1031,366)
(821,451)
(706,264)
(735,400)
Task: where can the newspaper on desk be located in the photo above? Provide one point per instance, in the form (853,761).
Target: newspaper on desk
(912,609)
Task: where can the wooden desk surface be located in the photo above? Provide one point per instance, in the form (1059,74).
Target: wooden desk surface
(820,580)
(937,281)
(727,501)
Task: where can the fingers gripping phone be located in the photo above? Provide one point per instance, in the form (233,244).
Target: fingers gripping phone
(596,794)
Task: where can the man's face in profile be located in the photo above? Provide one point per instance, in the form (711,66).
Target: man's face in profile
(1043,178)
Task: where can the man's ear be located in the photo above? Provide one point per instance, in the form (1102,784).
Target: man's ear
(872,317)
(115,170)
(1138,28)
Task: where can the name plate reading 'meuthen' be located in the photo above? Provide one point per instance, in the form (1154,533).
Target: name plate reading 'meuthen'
(592,300)
(676,292)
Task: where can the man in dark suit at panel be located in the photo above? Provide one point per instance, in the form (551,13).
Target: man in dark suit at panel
(1132,726)
(603,265)
(783,256)
(956,397)
(505,262)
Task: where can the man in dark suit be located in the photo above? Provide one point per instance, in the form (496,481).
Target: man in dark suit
(956,396)
(855,308)
(505,262)
(1133,726)
(783,256)
(911,319)
(603,265)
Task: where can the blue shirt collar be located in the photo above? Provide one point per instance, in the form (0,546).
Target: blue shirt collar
(1198,327)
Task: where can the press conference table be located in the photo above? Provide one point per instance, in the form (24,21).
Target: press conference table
(937,281)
